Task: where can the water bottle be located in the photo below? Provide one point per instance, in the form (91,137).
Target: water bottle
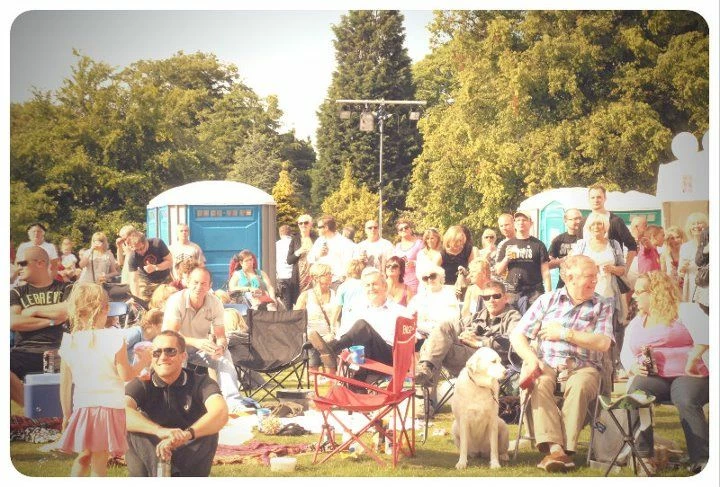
(164,467)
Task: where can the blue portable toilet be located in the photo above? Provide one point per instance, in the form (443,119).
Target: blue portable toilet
(547,210)
(224,217)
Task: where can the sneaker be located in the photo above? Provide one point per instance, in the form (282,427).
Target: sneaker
(424,374)
(556,462)
(327,354)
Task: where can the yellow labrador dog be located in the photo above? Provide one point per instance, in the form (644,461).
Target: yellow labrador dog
(477,428)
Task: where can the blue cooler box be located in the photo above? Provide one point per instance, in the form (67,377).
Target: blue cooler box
(42,396)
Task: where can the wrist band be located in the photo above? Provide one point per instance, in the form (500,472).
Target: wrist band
(192,433)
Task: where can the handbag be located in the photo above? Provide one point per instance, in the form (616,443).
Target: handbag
(702,278)
(623,284)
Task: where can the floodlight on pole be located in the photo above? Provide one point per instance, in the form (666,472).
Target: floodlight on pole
(367,124)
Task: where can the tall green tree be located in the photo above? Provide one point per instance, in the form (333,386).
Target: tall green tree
(90,155)
(371,64)
(353,204)
(527,101)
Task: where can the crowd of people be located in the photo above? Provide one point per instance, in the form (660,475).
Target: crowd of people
(621,288)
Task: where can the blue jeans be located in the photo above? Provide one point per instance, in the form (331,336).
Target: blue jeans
(689,395)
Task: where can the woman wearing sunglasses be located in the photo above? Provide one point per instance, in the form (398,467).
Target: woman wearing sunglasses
(407,249)
(398,290)
(434,304)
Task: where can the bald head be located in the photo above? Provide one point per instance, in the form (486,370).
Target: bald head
(34,267)
(36,253)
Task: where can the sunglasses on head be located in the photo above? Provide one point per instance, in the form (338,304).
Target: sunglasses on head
(303,223)
(430,277)
(487,297)
(169,351)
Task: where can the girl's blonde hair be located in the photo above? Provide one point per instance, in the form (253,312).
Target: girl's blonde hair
(664,295)
(355,268)
(153,318)
(100,236)
(161,294)
(86,304)
(223,296)
(234,322)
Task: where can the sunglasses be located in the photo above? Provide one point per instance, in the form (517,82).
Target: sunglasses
(487,297)
(403,228)
(392,266)
(303,223)
(431,277)
(321,226)
(169,351)
(491,237)
(371,228)
(22,263)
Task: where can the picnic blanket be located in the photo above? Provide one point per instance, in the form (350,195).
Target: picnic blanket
(257,450)
(42,430)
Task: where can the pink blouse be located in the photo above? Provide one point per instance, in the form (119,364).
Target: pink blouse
(670,346)
(410,254)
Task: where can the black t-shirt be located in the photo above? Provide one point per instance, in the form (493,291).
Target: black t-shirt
(451,262)
(27,296)
(177,405)
(560,247)
(524,272)
(156,252)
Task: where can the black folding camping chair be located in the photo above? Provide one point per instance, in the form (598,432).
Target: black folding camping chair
(276,351)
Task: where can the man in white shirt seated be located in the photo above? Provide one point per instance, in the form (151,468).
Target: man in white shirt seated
(374,251)
(374,327)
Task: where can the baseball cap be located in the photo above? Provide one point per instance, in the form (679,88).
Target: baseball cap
(522,213)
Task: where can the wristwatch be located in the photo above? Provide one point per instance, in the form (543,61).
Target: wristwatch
(52,323)
(192,433)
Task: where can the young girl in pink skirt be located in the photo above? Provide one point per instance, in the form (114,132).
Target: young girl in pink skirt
(94,359)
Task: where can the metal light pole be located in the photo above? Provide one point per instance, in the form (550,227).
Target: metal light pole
(381,114)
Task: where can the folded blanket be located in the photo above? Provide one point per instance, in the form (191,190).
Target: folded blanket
(259,450)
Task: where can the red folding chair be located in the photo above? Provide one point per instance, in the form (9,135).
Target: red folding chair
(376,404)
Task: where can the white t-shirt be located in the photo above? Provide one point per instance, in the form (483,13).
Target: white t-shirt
(434,308)
(378,252)
(340,253)
(283,270)
(90,354)
(381,318)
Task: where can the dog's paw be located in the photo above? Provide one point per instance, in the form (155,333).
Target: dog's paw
(494,465)
(461,465)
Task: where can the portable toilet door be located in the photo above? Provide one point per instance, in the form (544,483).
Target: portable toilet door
(222,231)
(552,224)
(151,230)
(163,225)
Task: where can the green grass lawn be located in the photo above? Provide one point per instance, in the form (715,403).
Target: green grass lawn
(437,457)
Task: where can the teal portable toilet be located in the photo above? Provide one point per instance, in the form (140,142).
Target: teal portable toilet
(547,210)
(224,217)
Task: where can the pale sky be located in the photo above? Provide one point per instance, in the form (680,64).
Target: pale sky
(286,53)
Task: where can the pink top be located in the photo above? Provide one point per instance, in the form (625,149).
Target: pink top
(410,255)
(670,346)
(648,259)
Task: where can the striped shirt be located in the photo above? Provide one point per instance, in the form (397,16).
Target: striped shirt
(591,316)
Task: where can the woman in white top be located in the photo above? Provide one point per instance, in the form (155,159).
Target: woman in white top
(98,263)
(430,254)
(687,269)
(319,301)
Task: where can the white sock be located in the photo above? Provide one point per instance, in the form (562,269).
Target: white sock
(555,448)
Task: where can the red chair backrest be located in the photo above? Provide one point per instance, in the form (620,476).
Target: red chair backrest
(403,351)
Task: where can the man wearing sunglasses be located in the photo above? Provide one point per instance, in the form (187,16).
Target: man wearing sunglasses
(300,245)
(489,327)
(176,414)
(37,313)
(374,251)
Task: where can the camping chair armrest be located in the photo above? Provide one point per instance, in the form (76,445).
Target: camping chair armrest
(347,380)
